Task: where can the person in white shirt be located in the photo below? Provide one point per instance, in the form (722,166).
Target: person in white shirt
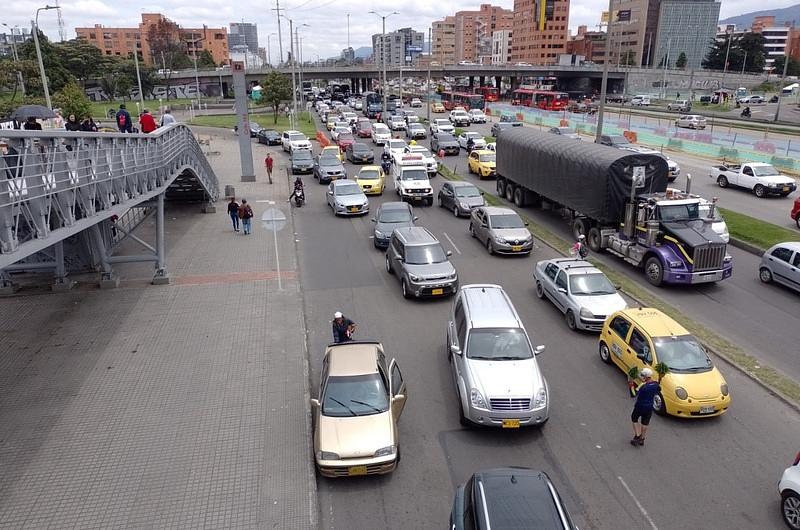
(167,118)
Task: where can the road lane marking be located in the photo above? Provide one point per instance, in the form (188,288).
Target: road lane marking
(638,504)
(451,242)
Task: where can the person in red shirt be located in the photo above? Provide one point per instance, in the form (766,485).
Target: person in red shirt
(268,162)
(146,122)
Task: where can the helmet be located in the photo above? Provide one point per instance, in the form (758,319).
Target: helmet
(413,142)
(581,237)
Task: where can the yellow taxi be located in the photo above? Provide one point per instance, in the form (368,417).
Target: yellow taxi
(692,387)
(371,180)
(437,107)
(334,151)
(482,162)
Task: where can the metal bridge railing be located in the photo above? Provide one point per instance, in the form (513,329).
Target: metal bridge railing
(54,184)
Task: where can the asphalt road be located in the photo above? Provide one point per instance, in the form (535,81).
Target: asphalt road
(691,474)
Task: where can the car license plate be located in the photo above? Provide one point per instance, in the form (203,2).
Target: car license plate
(516,248)
(786,188)
(357,470)
(436,292)
(511,424)
(353,208)
(707,410)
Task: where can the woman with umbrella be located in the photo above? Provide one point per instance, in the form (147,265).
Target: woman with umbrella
(32,125)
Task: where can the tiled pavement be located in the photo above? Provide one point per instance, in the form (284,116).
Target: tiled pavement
(178,406)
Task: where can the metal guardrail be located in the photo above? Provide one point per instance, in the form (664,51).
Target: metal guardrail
(58,183)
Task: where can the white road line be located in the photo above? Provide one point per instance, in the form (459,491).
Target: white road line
(638,504)
(451,242)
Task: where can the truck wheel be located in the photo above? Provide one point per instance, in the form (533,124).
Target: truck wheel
(760,191)
(594,239)
(501,188)
(510,192)
(722,181)
(654,271)
(519,197)
(579,228)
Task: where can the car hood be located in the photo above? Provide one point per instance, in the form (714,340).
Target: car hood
(446,128)
(300,144)
(603,304)
(415,183)
(303,163)
(331,169)
(692,233)
(512,233)
(355,436)
(507,378)
(703,385)
(490,165)
(388,228)
(431,270)
(472,202)
(361,154)
(776,179)
(448,143)
(351,200)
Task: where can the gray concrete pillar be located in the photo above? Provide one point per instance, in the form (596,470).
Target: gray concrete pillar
(160,277)
(60,280)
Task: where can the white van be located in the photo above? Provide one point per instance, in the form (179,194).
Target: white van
(640,101)
(411,179)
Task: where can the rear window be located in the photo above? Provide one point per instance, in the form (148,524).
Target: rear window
(524,502)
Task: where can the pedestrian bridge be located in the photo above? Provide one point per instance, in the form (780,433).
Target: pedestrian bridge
(70,198)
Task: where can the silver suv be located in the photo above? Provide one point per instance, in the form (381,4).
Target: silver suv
(418,260)
(501,230)
(497,378)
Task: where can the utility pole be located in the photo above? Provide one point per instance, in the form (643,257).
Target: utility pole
(666,65)
(294,82)
(384,84)
(139,77)
(780,93)
(725,66)
(35,25)
(280,39)
(16,57)
(604,81)
(430,58)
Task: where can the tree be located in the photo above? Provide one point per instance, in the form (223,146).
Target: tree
(72,100)
(793,68)
(276,89)
(681,61)
(206,60)
(167,49)
(58,74)
(745,51)
(84,60)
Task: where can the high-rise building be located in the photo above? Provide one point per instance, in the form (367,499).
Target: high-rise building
(348,55)
(540,31)
(124,41)
(685,26)
(589,44)
(400,47)
(244,33)
(632,31)
(443,45)
(501,46)
(467,35)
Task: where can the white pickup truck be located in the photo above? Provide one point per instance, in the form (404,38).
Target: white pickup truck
(411,179)
(441,125)
(758,177)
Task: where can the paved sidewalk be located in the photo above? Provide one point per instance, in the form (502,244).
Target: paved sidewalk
(178,406)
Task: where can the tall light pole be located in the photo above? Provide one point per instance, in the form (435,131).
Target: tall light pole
(16,57)
(725,66)
(35,25)
(430,58)
(196,77)
(604,81)
(294,82)
(780,86)
(383,58)
(299,49)
(138,76)
(269,53)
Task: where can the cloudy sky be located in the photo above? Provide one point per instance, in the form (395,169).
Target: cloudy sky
(327,20)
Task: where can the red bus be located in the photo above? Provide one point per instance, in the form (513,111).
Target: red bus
(489,93)
(540,99)
(462,99)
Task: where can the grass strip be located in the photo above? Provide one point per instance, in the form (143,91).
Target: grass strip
(305,124)
(785,387)
(755,231)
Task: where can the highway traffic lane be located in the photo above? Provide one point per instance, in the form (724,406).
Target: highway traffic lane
(588,476)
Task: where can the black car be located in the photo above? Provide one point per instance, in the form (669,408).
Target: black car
(445,142)
(269,137)
(503,125)
(512,497)
(359,153)
(302,161)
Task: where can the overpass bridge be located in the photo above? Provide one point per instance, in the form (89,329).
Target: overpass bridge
(69,199)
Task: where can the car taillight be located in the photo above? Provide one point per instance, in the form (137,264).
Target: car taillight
(797,459)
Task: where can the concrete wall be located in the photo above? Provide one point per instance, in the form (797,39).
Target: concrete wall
(699,81)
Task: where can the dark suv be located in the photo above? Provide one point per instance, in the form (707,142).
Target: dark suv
(510,497)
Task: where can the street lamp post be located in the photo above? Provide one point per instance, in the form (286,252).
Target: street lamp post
(428,86)
(383,58)
(269,53)
(35,24)
(16,57)
(299,50)
(604,81)
(780,86)
(294,82)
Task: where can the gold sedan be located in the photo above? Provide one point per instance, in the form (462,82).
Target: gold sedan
(361,397)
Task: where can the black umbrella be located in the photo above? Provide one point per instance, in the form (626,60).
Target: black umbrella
(32,111)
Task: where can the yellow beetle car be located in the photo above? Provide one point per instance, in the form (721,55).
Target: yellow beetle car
(482,162)
(692,387)
(437,107)
(333,150)
(371,180)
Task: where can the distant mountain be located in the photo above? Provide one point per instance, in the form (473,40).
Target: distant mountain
(787,14)
(363,52)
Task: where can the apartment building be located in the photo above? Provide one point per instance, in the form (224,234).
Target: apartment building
(501,46)
(443,45)
(780,39)
(589,44)
(540,31)
(467,35)
(400,47)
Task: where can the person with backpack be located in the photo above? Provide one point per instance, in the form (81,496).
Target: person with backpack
(246,215)
(124,120)
(233,211)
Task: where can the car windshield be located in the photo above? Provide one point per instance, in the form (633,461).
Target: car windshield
(498,345)
(328,161)
(364,126)
(355,395)
(618,140)
(705,209)
(380,128)
(395,215)
(564,130)
(472,135)
(414,174)
(361,148)
(297,137)
(254,125)
(446,138)
(269,132)
(369,174)
(467,191)
(682,354)
(302,156)
(442,122)
(506,220)
(396,144)
(590,284)
(765,171)
(425,254)
(487,158)
(348,189)
(345,136)
(679,212)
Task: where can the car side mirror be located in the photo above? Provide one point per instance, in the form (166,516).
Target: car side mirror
(449,253)
(482,193)
(314,402)
(527,223)
(455,350)
(330,192)
(398,397)
(538,349)
(416,218)
(374,220)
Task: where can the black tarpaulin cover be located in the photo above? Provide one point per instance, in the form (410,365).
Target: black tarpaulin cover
(592,179)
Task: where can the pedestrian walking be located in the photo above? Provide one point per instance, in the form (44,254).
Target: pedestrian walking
(72,124)
(32,125)
(88,124)
(643,409)
(146,122)
(268,162)
(233,211)
(124,120)
(246,215)
(167,118)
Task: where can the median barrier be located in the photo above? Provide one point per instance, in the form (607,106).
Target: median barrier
(728,153)
(765,147)
(631,136)
(563,123)
(784,163)
(323,139)
(675,143)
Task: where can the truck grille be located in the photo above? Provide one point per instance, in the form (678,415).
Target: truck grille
(510,403)
(708,257)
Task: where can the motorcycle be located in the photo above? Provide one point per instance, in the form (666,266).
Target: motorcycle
(386,164)
(299,197)
(745,113)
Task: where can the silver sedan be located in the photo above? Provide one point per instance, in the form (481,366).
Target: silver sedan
(501,230)
(346,198)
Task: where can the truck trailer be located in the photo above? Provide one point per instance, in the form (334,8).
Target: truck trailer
(619,200)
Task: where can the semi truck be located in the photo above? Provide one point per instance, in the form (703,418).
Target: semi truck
(620,201)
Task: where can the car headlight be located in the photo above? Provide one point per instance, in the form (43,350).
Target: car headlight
(327,455)
(728,258)
(385,451)
(676,264)
(414,277)
(541,398)
(426,190)
(476,399)
(681,392)
(585,313)
(378,233)
(500,239)
(452,275)
(464,205)
(723,388)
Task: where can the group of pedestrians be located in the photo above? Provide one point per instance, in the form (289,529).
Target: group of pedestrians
(147,123)
(241,212)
